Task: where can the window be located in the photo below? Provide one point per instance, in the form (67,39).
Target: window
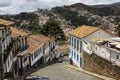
(74,43)
(96,48)
(74,55)
(80,46)
(77,58)
(117,57)
(77,44)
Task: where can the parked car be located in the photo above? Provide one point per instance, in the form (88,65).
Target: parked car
(33,77)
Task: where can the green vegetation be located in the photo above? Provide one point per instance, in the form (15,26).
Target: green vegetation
(61,42)
(102,11)
(80,20)
(118,29)
(27,16)
(72,16)
(28,21)
(52,29)
(117,22)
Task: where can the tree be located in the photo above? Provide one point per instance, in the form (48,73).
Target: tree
(118,29)
(52,29)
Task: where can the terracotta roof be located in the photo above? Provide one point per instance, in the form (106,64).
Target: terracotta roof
(83,31)
(5,22)
(40,38)
(33,45)
(35,41)
(17,32)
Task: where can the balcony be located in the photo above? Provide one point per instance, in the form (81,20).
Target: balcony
(24,48)
(23,51)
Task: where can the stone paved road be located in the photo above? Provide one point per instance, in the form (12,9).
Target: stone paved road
(58,71)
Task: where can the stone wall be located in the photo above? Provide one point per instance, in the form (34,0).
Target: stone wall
(96,64)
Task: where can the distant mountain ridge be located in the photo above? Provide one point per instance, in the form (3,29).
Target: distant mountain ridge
(80,14)
(104,5)
(102,10)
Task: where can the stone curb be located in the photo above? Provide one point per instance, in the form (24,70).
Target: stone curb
(90,73)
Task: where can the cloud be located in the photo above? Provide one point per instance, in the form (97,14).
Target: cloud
(4,3)
(17,6)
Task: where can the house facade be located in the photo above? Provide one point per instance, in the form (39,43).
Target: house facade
(20,50)
(52,47)
(108,49)
(6,56)
(79,41)
(35,52)
(41,50)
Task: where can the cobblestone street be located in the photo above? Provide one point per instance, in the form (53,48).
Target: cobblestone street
(58,71)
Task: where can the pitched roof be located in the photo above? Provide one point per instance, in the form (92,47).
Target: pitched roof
(33,45)
(35,41)
(83,31)
(40,38)
(5,22)
(17,32)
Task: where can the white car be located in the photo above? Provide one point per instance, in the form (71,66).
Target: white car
(32,77)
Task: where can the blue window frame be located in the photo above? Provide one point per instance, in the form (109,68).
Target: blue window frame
(74,43)
(80,62)
(74,55)
(80,46)
(77,58)
(77,45)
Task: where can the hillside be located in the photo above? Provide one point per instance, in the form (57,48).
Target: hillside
(102,10)
(104,16)
(79,14)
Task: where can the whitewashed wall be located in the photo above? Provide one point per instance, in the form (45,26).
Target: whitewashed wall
(114,57)
(9,60)
(75,50)
(52,53)
(87,46)
(47,53)
(37,58)
(101,51)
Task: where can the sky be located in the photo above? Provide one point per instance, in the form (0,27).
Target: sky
(17,6)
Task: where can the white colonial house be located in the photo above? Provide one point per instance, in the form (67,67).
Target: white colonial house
(35,52)
(6,56)
(19,50)
(41,50)
(80,40)
(108,49)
